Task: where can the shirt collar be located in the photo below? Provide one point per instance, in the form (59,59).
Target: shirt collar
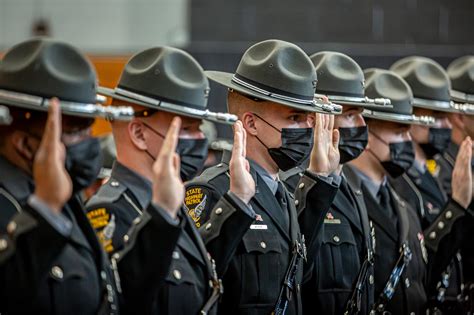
(371,186)
(267,178)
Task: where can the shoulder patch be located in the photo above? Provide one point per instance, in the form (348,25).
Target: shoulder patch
(104,224)
(195,201)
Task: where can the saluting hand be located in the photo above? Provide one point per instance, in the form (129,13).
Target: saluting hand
(52,182)
(461,182)
(241,182)
(324,157)
(168,188)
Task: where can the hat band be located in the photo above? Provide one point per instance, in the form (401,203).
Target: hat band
(225,117)
(462,96)
(444,105)
(71,108)
(383,102)
(425,120)
(268,91)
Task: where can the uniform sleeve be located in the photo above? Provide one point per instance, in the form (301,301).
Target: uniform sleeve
(226,220)
(146,258)
(313,197)
(34,239)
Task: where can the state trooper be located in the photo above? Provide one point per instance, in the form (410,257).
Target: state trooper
(431,88)
(161,83)
(50,259)
(462,94)
(342,278)
(405,258)
(272,93)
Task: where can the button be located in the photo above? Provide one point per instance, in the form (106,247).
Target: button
(208,226)
(433,235)
(175,255)
(109,287)
(407,282)
(358,192)
(177,274)
(57,272)
(219,165)
(126,238)
(296,202)
(440,225)
(116,256)
(114,183)
(301,186)
(336,239)
(137,220)
(263,245)
(218,211)
(3,244)
(103,275)
(371,279)
(11,227)
(449,214)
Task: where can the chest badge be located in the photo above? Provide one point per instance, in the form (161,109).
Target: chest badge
(330,219)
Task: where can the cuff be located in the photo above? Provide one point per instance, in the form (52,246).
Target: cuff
(247,208)
(166,216)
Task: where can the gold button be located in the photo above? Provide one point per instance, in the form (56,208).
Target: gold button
(440,225)
(263,244)
(57,272)
(208,226)
(177,274)
(433,235)
(136,220)
(218,211)
(3,244)
(11,227)
(449,214)
(301,186)
(296,202)
(126,238)
(336,238)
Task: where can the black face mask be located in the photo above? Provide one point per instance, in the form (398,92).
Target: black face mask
(402,156)
(438,141)
(296,145)
(193,154)
(352,142)
(83,163)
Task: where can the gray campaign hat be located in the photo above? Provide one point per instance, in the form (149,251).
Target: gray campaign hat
(342,80)
(461,73)
(387,84)
(166,79)
(36,70)
(5,118)
(276,71)
(429,82)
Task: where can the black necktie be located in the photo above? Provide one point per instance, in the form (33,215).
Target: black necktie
(385,203)
(280,195)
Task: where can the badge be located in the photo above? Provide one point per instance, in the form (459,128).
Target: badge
(258,227)
(195,202)
(424,252)
(104,224)
(330,219)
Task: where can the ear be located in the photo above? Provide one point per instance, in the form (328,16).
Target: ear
(248,121)
(24,145)
(456,121)
(136,132)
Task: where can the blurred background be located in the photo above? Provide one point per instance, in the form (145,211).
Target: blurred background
(216,32)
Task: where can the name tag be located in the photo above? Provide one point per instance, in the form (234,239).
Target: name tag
(258,227)
(332,221)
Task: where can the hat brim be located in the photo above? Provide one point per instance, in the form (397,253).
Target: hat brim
(462,97)
(399,118)
(358,102)
(225,79)
(443,106)
(169,107)
(83,110)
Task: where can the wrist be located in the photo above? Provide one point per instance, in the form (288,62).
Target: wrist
(54,205)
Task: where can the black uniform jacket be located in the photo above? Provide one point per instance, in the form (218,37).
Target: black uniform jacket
(254,274)
(53,263)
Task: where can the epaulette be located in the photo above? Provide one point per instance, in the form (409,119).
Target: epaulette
(210,173)
(284,176)
(108,193)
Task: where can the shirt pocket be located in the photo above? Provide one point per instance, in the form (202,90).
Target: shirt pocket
(338,261)
(261,270)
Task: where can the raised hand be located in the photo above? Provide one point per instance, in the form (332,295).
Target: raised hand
(324,157)
(461,182)
(52,182)
(168,188)
(241,182)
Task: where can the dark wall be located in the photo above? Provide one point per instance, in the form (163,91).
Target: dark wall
(374,32)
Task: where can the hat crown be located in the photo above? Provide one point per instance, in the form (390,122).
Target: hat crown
(48,68)
(280,66)
(425,76)
(168,74)
(388,84)
(461,73)
(338,74)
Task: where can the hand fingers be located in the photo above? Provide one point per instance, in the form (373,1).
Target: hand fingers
(177,165)
(335,138)
(52,132)
(171,139)
(244,144)
(331,122)
(238,150)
